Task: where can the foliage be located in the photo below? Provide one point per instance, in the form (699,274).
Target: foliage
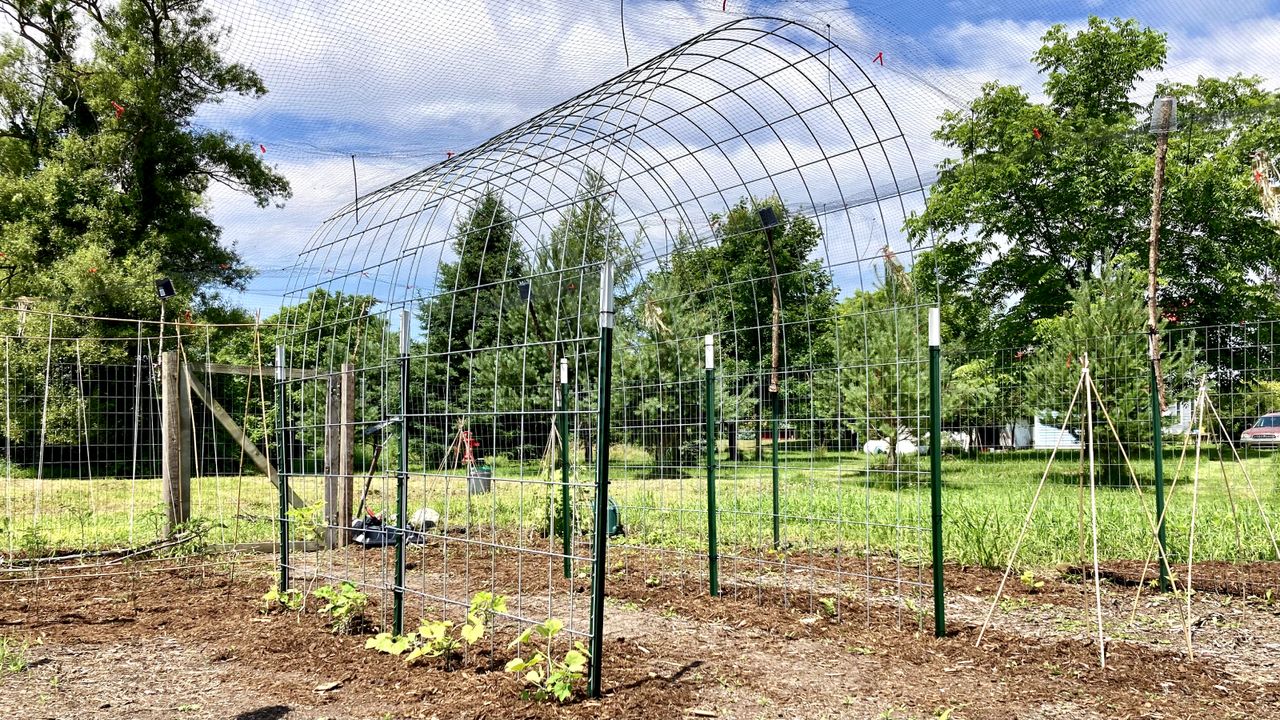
(1106,321)
(344,605)
(882,334)
(1042,194)
(545,675)
(435,638)
(274,599)
(307,522)
(102,169)
(13,655)
(971,396)
(662,338)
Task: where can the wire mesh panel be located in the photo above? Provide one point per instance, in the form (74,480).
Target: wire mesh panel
(85,437)
(1007,413)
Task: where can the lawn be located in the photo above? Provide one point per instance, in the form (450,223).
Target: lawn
(829,502)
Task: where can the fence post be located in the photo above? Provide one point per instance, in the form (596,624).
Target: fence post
(347,456)
(566,504)
(333,519)
(176,435)
(1157,448)
(601,529)
(935,469)
(713,552)
(282,465)
(402,477)
(339,446)
(777,501)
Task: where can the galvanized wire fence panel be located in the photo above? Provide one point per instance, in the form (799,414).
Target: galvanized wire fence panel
(1005,413)
(84,439)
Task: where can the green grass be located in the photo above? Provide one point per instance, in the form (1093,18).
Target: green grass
(839,501)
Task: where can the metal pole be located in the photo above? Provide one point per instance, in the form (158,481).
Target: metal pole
(935,469)
(1157,447)
(402,477)
(566,511)
(602,478)
(713,553)
(282,465)
(777,504)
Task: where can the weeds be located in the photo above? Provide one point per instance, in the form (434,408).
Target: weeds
(13,655)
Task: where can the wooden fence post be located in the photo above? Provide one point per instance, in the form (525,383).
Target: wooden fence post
(339,433)
(176,450)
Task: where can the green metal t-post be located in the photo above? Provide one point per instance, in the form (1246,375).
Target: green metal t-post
(402,478)
(713,552)
(935,469)
(566,512)
(602,479)
(777,505)
(1157,447)
(282,460)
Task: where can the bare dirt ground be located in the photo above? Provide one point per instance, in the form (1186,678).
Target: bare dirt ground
(190,640)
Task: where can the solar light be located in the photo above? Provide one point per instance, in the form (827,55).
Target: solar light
(164,289)
(768,218)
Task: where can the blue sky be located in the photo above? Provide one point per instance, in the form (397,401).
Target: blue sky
(401,83)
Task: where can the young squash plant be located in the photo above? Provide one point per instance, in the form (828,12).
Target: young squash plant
(545,676)
(275,600)
(344,605)
(436,638)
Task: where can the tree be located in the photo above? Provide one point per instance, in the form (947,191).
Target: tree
(472,291)
(883,361)
(662,380)
(1043,195)
(102,170)
(1107,321)
(733,276)
(970,401)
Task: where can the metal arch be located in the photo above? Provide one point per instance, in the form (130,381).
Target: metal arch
(411,207)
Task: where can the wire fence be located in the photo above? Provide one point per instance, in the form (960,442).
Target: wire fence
(1005,417)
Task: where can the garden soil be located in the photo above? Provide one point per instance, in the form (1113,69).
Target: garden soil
(189,639)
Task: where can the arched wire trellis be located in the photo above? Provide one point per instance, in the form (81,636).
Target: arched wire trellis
(496,255)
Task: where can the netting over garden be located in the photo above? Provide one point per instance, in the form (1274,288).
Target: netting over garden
(736,186)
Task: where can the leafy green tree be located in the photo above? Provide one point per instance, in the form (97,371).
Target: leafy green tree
(102,169)
(733,276)
(1042,195)
(473,290)
(971,400)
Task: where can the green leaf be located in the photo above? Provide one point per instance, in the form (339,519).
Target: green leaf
(472,631)
(575,661)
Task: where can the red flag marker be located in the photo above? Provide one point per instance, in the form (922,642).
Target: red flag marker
(879,58)
(119,109)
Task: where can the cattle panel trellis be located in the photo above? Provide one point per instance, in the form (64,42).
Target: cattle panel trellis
(749,185)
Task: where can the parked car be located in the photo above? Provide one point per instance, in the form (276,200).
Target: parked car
(1264,433)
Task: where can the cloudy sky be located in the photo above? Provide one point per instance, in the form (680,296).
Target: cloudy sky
(400,84)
